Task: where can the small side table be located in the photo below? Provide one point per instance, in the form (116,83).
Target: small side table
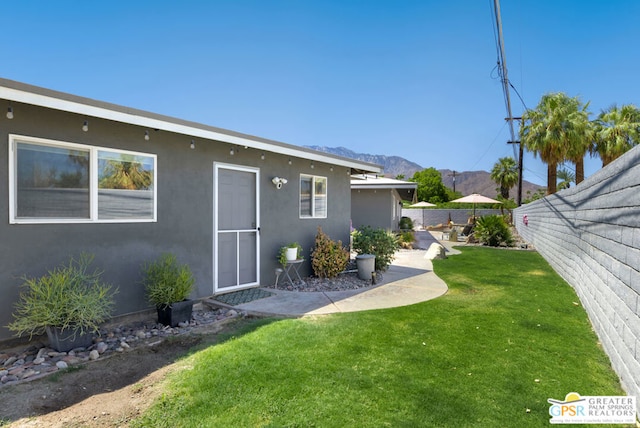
(293,266)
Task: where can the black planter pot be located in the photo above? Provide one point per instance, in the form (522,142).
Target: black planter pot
(66,340)
(175,313)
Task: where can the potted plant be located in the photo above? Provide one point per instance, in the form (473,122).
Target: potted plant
(289,253)
(380,243)
(68,303)
(168,286)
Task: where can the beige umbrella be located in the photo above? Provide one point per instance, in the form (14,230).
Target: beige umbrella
(422,204)
(474,199)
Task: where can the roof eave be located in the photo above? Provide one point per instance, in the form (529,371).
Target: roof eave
(42,97)
(383,186)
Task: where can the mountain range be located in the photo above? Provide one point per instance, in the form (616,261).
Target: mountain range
(466,182)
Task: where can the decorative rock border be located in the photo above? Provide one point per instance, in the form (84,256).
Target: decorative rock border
(34,362)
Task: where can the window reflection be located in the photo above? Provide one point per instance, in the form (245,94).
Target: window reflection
(125,185)
(52,182)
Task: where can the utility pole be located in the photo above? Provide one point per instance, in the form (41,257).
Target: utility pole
(454,180)
(520,152)
(507,98)
(503,69)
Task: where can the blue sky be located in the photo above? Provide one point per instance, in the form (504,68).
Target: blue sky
(415,79)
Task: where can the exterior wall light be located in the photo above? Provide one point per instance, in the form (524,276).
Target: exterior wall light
(279,182)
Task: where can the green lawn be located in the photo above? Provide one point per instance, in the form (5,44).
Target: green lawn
(507,336)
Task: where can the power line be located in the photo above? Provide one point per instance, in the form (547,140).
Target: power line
(518,94)
(489,148)
(502,72)
(502,69)
(535,173)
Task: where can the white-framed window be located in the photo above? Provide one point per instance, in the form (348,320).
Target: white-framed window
(59,182)
(313,196)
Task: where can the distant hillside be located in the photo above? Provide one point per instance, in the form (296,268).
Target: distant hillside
(467,182)
(392,165)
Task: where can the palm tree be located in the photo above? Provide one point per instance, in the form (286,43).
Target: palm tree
(580,134)
(557,130)
(567,177)
(505,174)
(616,131)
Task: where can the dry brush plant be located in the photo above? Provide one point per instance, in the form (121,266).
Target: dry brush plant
(329,257)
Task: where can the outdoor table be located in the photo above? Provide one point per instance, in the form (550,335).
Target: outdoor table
(293,266)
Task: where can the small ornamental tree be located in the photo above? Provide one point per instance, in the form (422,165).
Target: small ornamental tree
(328,257)
(430,186)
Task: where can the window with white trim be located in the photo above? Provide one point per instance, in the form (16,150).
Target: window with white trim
(313,196)
(58,182)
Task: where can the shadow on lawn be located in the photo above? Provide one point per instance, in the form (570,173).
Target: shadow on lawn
(66,388)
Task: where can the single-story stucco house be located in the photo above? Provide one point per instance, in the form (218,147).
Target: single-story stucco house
(212,197)
(377,201)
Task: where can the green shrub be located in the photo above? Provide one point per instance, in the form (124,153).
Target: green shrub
(329,257)
(67,297)
(492,230)
(406,223)
(166,281)
(406,239)
(379,242)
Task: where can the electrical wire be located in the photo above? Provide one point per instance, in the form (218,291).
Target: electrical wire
(489,148)
(502,68)
(519,97)
(536,174)
(495,40)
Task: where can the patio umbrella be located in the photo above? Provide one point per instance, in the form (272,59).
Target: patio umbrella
(474,199)
(422,205)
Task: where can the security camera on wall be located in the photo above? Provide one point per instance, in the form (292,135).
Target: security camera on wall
(279,182)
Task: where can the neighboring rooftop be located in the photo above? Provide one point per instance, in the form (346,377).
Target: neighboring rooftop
(406,189)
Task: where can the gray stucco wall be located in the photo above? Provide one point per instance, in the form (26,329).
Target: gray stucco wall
(185,210)
(280,222)
(590,234)
(373,208)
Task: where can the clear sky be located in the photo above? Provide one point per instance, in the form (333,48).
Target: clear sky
(415,79)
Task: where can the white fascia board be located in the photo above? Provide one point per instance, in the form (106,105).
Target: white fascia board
(192,129)
(382,183)
(383,186)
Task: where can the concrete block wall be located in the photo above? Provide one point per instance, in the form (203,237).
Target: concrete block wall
(590,234)
(435,216)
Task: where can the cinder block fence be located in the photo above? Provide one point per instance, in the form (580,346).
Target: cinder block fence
(423,217)
(590,234)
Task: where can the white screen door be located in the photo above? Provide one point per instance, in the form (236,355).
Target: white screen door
(236,227)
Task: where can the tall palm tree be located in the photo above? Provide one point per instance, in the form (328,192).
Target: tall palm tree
(505,174)
(580,135)
(566,178)
(617,130)
(557,130)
